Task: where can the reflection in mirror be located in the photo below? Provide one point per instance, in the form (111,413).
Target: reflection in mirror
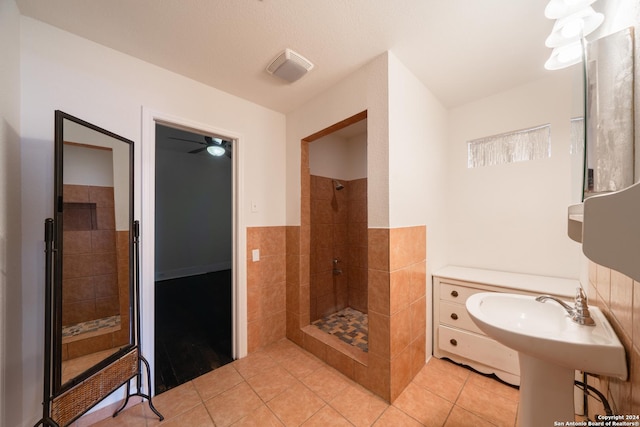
(577,133)
(610,120)
(96,252)
(92,312)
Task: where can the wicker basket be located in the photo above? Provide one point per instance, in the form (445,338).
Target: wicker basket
(71,404)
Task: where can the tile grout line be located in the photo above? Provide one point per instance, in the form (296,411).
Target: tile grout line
(298,380)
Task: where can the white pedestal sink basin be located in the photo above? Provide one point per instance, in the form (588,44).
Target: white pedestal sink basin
(550,347)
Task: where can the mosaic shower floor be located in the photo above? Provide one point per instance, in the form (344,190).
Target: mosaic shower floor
(350,325)
(93,327)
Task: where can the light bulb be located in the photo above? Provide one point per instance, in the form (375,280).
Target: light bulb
(215,150)
(565,56)
(572,29)
(557,9)
(574,26)
(569,53)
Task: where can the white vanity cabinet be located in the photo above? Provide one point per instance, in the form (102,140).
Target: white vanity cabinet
(455,335)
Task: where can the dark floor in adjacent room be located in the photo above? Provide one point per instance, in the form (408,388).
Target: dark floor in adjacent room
(192,327)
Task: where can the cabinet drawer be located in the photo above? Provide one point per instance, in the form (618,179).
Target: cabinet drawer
(457,315)
(456,293)
(479,348)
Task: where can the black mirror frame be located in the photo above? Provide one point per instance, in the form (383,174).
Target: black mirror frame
(65,403)
(56,363)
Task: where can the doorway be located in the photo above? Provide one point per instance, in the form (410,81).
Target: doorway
(338,231)
(193,255)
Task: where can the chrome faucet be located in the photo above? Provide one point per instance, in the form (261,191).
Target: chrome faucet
(579,312)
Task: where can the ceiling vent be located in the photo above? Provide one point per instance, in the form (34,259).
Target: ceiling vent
(289,66)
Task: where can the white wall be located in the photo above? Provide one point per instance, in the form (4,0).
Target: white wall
(339,158)
(11,299)
(87,166)
(109,89)
(193,214)
(417,150)
(366,89)
(513,217)
(405,153)
(417,167)
(120,165)
(357,155)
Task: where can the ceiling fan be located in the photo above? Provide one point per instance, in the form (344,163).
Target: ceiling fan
(214,146)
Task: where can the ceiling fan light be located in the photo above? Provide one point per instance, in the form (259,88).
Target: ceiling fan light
(216,150)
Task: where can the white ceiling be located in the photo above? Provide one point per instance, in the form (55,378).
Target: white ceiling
(461,50)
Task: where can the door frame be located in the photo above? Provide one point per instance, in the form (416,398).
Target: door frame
(145,210)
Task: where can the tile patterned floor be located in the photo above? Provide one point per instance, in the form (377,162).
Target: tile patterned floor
(283,385)
(350,325)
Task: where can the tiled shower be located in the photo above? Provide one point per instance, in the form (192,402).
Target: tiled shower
(338,246)
(338,280)
(95,273)
(388,268)
(396,301)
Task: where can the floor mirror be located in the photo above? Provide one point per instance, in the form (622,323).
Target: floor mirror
(92,307)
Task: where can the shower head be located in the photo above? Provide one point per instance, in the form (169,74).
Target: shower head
(338,185)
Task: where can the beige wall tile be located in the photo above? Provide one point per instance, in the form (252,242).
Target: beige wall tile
(622,300)
(400,372)
(635,313)
(400,293)
(379,291)
(75,193)
(635,380)
(102,196)
(418,281)
(292,240)
(619,298)
(400,331)
(418,354)
(379,335)
(378,254)
(418,318)
(341,362)
(603,284)
(407,246)
(266,286)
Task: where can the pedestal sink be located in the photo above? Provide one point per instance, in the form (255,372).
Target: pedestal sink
(550,348)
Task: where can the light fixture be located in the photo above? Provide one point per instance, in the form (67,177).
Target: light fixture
(289,66)
(557,9)
(565,56)
(216,150)
(572,27)
(575,20)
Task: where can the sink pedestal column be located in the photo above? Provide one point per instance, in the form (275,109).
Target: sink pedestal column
(546,393)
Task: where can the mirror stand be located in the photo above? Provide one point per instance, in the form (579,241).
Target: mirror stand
(92,295)
(48,250)
(61,410)
(141,359)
